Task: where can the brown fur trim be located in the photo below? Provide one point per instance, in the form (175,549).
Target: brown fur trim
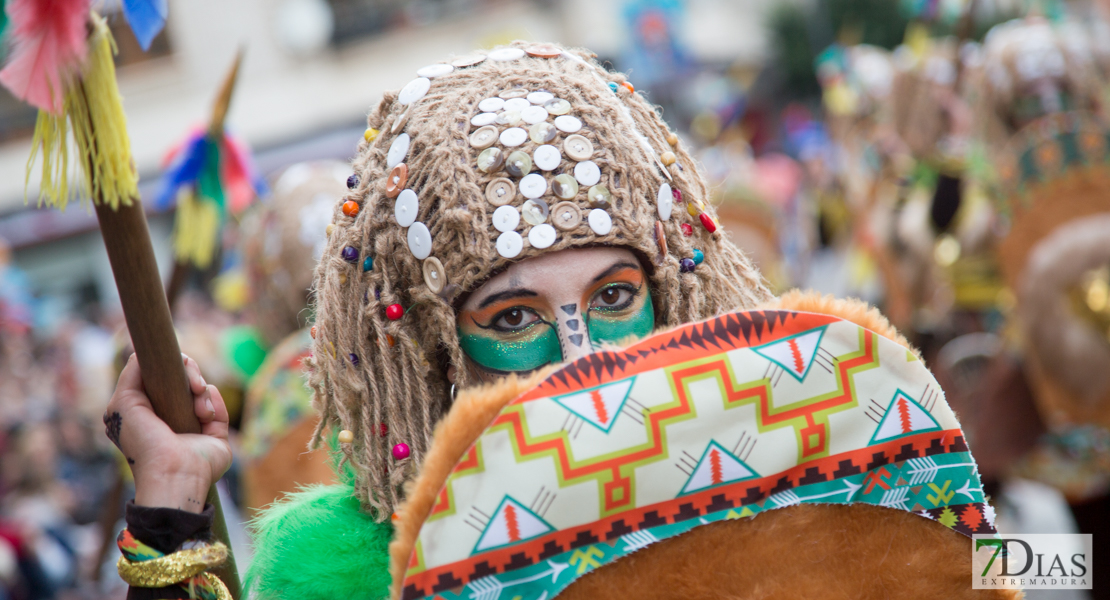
(850,309)
(827,551)
(472,412)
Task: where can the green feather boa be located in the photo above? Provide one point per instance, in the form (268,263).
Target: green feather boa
(319,544)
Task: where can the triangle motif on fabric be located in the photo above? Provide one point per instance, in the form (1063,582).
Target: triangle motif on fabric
(794,354)
(903,417)
(510,523)
(717,466)
(598,406)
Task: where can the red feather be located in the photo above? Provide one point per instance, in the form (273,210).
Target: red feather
(50,43)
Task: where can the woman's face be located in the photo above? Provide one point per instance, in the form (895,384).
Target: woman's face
(554,308)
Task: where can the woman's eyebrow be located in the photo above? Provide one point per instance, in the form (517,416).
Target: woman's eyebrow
(615,268)
(507,295)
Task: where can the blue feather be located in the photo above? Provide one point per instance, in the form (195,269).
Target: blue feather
(184,171)
(147,18)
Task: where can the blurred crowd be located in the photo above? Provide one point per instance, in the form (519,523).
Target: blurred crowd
(955,173)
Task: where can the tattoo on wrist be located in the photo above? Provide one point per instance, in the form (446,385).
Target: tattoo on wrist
(112,424)
(191,501)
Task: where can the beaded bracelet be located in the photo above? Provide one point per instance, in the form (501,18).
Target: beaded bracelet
(143,566)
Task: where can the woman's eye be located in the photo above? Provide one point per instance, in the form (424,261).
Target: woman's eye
(612,297)
(515,319)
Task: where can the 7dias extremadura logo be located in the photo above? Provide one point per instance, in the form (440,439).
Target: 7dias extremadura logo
(1045,561)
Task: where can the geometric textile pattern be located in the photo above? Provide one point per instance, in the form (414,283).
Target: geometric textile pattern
(688,427)
(903,417)
(795,354)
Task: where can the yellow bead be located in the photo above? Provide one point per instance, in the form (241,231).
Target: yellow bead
(342,278)
(667,158)
(672,139)
(346,436)
(692,209)
(330,229)
(370,135)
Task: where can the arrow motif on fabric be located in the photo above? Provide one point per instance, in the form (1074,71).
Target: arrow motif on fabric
(967,489)
(924,469)
(790,497)
(895,497)
(638,539)
(489,588)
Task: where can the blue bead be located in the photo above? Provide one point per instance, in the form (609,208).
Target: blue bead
(352,181)
(699,256)
(354,359)
(350,254)
(367,263)
(686,265)
(613,86)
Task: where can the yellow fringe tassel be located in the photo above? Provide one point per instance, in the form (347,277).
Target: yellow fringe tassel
(94,110)
(195,230)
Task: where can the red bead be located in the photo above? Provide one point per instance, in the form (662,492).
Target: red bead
(707,222)
(383,430)
(677,195)
(687,229)
(394,312)
(350,208)
(401,451)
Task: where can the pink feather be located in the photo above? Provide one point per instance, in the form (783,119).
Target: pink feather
(50,43)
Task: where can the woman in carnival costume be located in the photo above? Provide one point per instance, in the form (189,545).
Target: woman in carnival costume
(509,211)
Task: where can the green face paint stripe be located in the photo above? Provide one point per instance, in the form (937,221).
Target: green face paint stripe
(616,329)
(525,354)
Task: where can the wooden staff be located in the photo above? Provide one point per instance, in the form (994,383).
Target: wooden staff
(131,254)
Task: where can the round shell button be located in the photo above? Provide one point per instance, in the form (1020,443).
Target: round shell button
(483,119)
(490,160)
(543,51)
(534,114)
(483,137)
(518,164)
(420,241)
(517,104)
(566,216)
(413,91)
(500,191)
(469,60)
(568,124)
(547,157)
(491,105)
(396,180)
(542,133)
(513,93)
(398,150)
(513,136)
(664,202)
(534,211)
(436,70)
(506,54)
(578,147)
(533,186)
(557,106)
(509,244)
(540,97)
(435,277)
(506,218)
(564,186)
(542,236)
(587,172)
(509,117)
(600,221)
(406,207)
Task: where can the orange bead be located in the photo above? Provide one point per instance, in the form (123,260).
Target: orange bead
(313,332)
(350,208)
(389,340)
(628,86)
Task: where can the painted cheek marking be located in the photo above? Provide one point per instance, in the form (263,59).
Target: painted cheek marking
(573,324)
(570,309)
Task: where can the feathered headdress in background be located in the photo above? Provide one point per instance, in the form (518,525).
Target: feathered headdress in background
(209,174)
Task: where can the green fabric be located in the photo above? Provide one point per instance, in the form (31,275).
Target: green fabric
(319,544)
